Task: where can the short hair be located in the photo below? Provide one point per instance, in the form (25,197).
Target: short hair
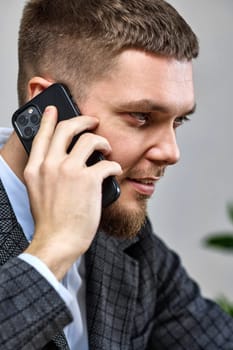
(76,41)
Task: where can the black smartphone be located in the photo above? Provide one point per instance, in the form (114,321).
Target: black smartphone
(26,122)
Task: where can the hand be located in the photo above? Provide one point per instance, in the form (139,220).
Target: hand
(65,194)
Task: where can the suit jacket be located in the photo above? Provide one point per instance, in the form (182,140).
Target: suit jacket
(138,297)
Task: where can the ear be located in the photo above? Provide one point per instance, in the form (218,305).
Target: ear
(37,85)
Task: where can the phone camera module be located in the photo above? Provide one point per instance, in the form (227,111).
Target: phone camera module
(28,122)
(35,119)
(22,120)
(28,132)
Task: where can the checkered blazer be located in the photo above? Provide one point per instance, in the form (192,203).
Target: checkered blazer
(138,297)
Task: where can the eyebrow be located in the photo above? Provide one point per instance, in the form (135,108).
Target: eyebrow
(147,106)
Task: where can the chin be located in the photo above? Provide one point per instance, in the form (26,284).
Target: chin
(132,200)
(124,218)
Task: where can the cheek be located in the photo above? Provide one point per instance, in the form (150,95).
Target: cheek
(126,153)
(126,143)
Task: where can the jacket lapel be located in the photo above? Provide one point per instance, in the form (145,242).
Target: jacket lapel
(57,343)
(112,289)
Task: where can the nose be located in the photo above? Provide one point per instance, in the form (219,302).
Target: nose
(164,148)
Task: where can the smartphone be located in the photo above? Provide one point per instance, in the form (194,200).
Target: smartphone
(26,122)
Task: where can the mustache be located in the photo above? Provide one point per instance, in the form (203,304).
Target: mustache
(150,173)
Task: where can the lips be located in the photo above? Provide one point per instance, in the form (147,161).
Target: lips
(143,186)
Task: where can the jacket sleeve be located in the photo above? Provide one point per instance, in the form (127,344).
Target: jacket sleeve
(184,319)
(31,311)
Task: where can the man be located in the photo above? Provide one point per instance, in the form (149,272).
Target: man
(102,276)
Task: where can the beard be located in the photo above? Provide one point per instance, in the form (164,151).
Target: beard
(120,222)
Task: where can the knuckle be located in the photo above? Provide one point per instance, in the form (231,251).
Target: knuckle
(62,125)
(66,168)
(86,137)
(46,167)
(27,172)
(93,139)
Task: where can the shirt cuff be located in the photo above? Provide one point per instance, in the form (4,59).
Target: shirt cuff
(43,269)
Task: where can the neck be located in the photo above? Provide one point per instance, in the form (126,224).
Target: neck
(15,156)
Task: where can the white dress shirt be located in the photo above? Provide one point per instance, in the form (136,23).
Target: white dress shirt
(72,288)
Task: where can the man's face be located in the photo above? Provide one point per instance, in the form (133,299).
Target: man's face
(140,104)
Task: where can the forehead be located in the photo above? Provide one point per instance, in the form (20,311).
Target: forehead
(138,75)
(134,59)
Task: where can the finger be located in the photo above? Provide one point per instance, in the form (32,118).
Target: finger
(106,168)
(86,145)
(44,135)
(65,132)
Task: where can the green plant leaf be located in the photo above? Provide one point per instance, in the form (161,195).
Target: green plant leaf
(220,240)
(225,304)
(230,211)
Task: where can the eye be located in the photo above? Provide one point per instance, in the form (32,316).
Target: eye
(180,121)
(140,117)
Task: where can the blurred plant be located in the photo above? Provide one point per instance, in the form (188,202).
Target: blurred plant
(223,241)
(225,304)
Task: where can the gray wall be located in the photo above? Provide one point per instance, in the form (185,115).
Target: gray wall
(10,12)
(191,200)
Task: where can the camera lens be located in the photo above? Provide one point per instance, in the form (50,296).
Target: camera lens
(34,119)
(22,120)
(28,132)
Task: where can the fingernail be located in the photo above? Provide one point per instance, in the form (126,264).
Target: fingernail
(49,109)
